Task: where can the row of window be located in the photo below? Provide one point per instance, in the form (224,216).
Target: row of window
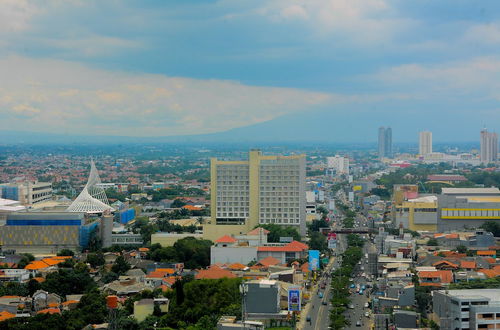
(471,213)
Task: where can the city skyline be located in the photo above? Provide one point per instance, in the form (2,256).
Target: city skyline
(274,67)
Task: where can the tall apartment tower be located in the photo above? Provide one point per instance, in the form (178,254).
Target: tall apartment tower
(425,143)
(261,190)
(385,142)
(489,146)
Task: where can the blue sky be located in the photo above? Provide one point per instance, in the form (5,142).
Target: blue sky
(159,68)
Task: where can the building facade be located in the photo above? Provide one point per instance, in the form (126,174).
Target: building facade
(261,190)
(467,208)
(467,309)
(338,164)
(425,143)
(385,142)
(27,193)
(489,146)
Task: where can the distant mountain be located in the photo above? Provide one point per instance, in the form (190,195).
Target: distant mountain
(325,126)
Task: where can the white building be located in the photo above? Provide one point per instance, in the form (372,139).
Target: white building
(425,143)
(339,164)
(489,146)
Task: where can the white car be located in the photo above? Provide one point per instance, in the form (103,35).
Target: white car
(367,314)
(367,305)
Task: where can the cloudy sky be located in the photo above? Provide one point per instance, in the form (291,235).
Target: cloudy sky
(161,68)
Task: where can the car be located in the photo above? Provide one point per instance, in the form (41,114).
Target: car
(320,294)
(363,287)
(352,286)
(351,306)
(367,305)
(360,292)
(324,302)
(367,314)
(358,323)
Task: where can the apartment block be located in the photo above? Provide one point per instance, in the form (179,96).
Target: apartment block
(265,189)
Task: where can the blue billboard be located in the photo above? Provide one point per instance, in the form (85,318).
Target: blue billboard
(293,300)
(313,259)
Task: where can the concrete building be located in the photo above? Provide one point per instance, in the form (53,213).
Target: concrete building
(385,142)
(261,190)
(467,309)
(338,165)
(425,143)
(489,146)
(262,297)
(27,193)
(466,208)
(417,213)
(50,232)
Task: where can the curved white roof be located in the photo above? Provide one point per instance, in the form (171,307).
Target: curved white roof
(93,198)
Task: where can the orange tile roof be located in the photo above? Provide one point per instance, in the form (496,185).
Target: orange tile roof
(467,264)
(35,265)
(446,276)
(489,272)
(53,304)
(4,315)
(9,297)
(293,246)
(69,302)
(50,311)
(487,253)
(446,262)
(39,279)
(237,266)
(143,249)
(305,267)
(226,239)
(214,273)
(192,208)
(257,231)
(156,274)
(166,270)
(490,260)
(269,261)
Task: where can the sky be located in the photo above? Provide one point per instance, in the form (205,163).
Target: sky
(167,68)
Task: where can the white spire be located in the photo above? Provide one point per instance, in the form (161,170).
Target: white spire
(93,198)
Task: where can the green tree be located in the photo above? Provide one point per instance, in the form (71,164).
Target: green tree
(95,259)
(461,249)
(276,231)
(121,266)
(318,241)
(432,242)
(68,281)
(493,227)
(66,253)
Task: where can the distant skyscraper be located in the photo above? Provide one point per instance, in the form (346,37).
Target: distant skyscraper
(489,146)
(425,143)
(385,142)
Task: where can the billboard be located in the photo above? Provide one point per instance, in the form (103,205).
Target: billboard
(313,259)
(332,244)
(293,300)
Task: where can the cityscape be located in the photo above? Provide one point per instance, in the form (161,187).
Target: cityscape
(253,165)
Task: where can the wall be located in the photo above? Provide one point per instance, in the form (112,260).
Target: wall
(226,255)
(168,239)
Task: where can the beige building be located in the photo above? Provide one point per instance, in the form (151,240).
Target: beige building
(425,143)
(265,189)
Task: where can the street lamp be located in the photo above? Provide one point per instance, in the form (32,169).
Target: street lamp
(243,291)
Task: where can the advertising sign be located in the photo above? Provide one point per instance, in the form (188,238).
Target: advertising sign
(332,244)
(293,300)
(313,259)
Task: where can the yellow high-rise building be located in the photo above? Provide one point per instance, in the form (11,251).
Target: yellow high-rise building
(265,189)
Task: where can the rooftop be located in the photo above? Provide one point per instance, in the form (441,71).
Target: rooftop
(491,294)
(473,191)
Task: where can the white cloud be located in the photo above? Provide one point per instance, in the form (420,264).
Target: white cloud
(15,15)
(49,95)
(360,21)
(478,77)
(488,34)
